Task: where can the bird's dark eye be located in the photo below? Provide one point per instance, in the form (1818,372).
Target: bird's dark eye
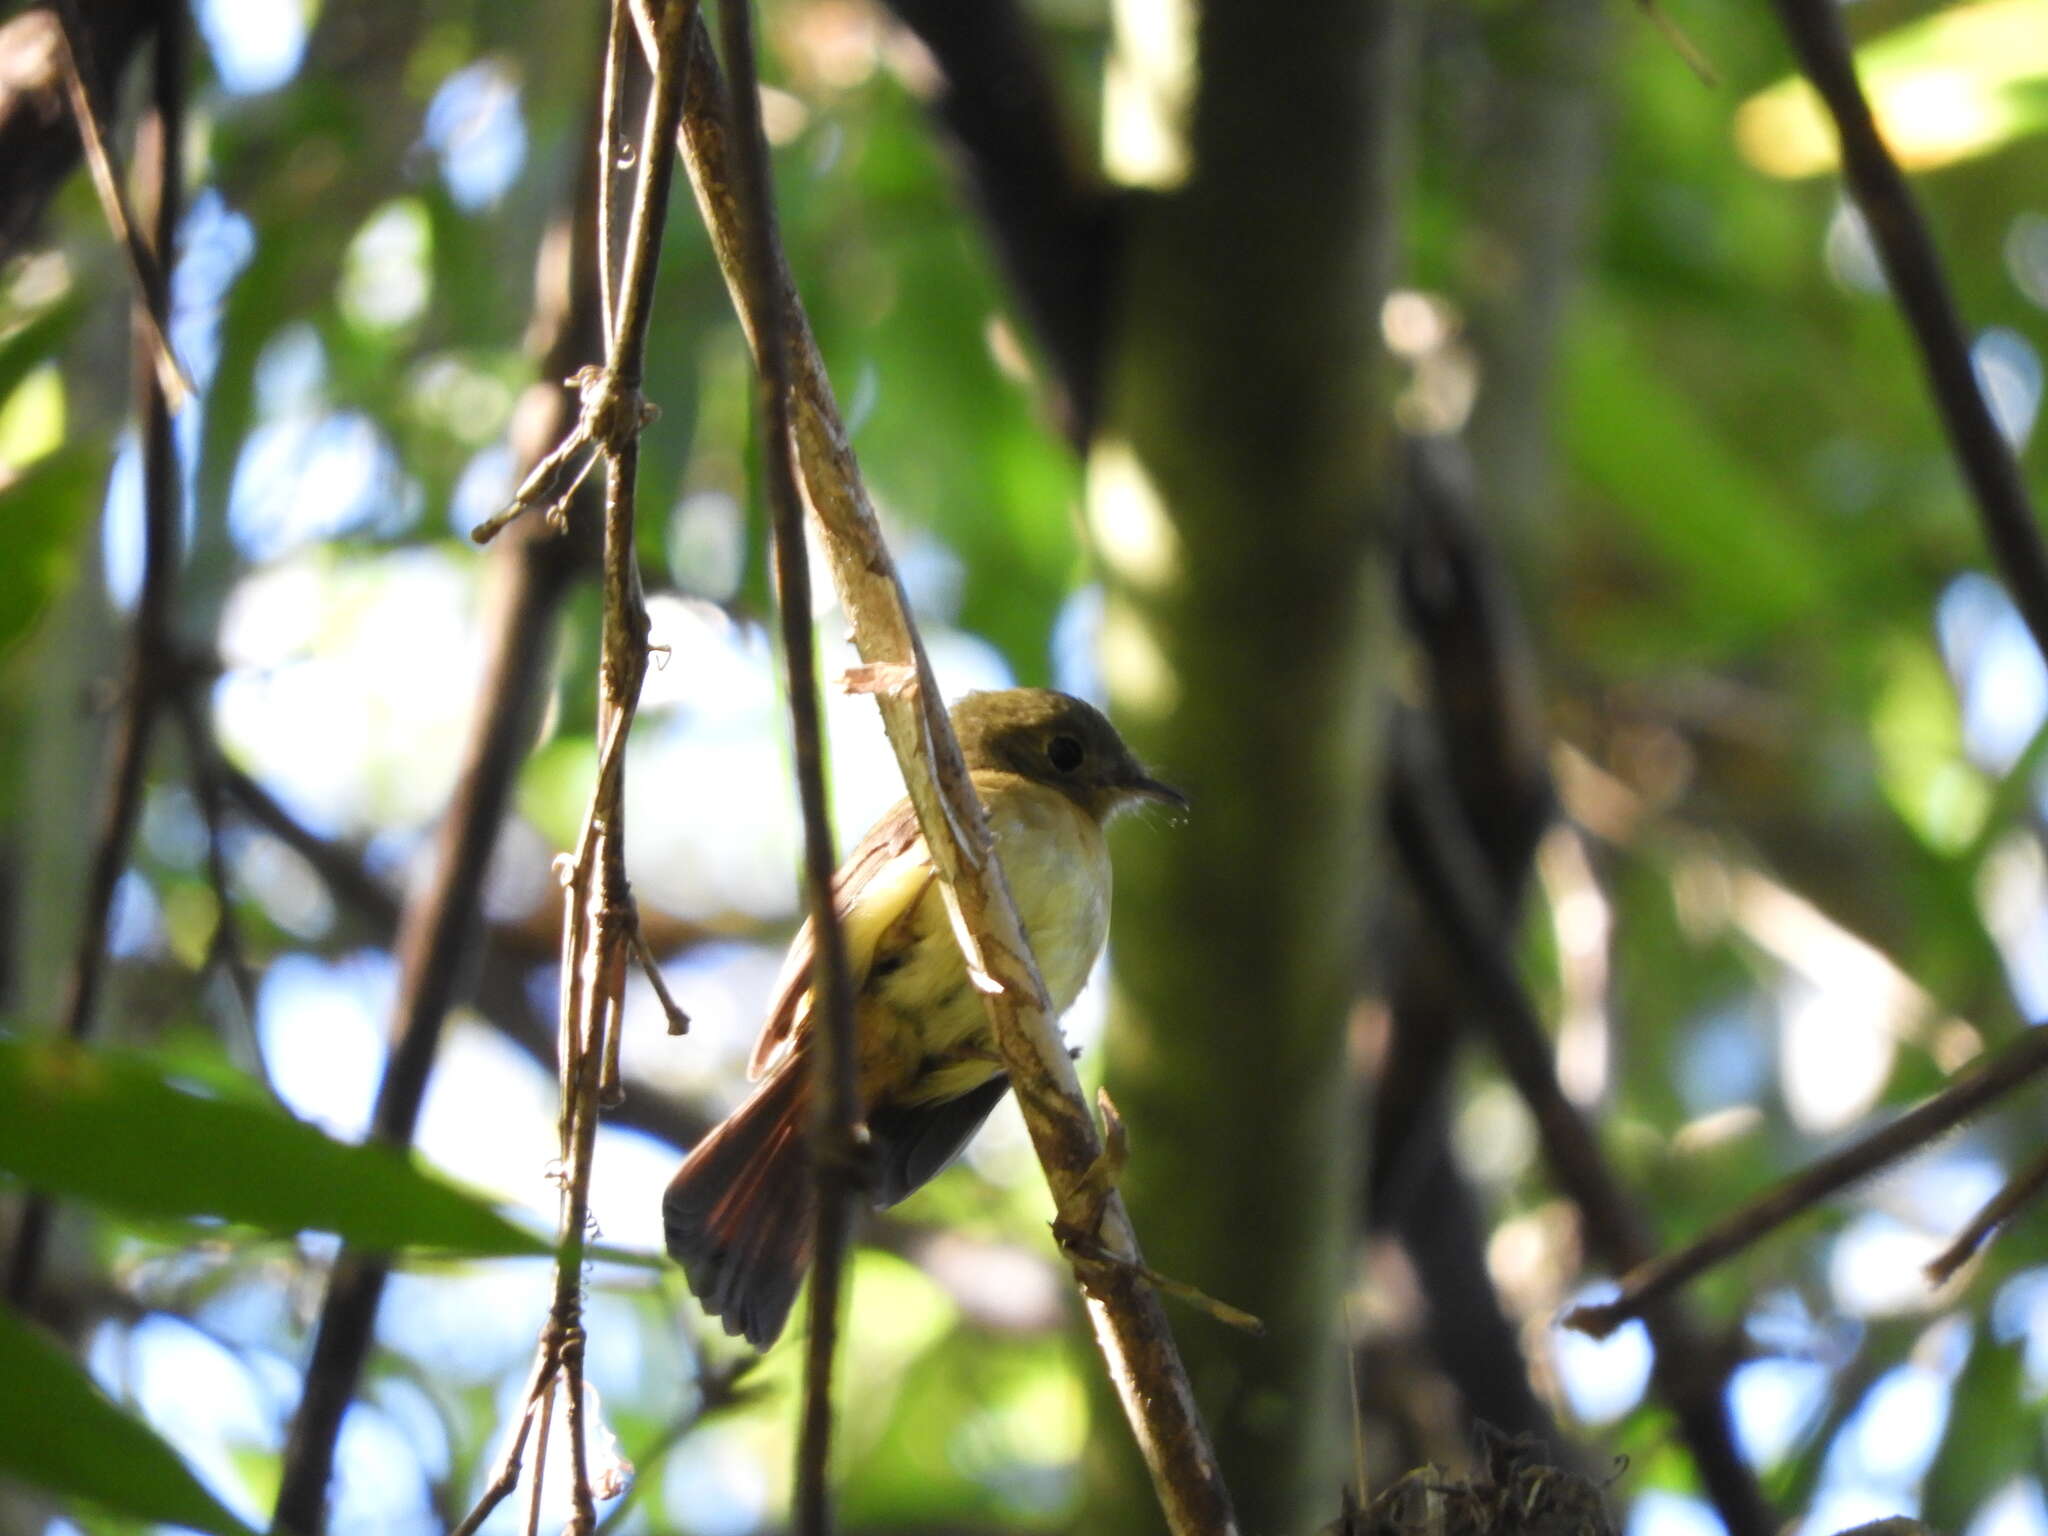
(1064,753)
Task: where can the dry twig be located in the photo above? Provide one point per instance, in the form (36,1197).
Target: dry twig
(1987,1082)
(148,260)
(598,923)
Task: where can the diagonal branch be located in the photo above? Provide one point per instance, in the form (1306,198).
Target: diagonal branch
(74,49)
(1129,1321)
(1913,268)
(2020,1062)
(38,137)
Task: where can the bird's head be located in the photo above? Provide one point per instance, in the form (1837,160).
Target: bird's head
(1056,739)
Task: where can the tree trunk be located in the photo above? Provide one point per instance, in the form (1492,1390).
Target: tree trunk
(1237,496)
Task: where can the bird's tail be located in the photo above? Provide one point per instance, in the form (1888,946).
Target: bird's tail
(738,1213)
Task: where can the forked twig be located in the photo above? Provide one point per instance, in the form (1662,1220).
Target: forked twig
(599,927)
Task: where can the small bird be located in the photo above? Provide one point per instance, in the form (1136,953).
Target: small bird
(1051,771)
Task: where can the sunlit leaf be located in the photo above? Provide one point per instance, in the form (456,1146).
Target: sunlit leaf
(59,1432)
(1965,81)
(114,1129)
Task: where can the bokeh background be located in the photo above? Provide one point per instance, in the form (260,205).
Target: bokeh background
(1795,878)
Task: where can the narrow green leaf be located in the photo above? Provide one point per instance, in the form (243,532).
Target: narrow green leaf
(59,1432)
(112,1129)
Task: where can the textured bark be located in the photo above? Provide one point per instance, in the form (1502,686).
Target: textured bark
(1238,489)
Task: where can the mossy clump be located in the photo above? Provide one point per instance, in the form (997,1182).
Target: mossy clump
(1515,1492)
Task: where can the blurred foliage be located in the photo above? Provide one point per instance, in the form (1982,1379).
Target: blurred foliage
(1801,749)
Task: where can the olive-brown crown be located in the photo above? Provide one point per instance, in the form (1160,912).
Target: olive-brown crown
(1054,738)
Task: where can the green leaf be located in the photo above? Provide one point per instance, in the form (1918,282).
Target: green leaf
(44,510)
(113,1129)
(59,1432)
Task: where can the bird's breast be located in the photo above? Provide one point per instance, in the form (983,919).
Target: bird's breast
(924,1030)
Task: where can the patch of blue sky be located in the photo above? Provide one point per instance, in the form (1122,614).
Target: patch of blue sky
(1773,1402)
(2019,1314)
(135,922)
(214,245)
(380,1488)
(715,1483)
(1076,642)
(1874,1265)
(489,1120)
(1891,1438)
(470,1325)
(2008,371)
(257,45)
(417,1417)
(625,1201)
(202,1399)
(724,986)
(1999,673)
(303,480)
(349,683)
(2016,1509)
(1724,1059)
(475,126)
(1602,1378)
(1842,1506)
(485,484)
(322,1026)
(1657,1512)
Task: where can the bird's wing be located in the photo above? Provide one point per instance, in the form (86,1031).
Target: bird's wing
(880,880)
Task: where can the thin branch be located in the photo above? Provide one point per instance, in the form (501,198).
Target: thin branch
(1988,1081)
(2023,1187)
(149,674)
(1913,268)
(833,1050)
(153,324)
(1129,1321)
(598,922)
(1450,877)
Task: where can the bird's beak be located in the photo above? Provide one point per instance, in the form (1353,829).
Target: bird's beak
(1144,788)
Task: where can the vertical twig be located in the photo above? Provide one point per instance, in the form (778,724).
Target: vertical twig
(151,667)
(598,925)
(1913,268)
(834,1151)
